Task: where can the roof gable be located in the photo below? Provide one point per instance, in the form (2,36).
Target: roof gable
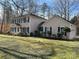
(56,16)
(57,20)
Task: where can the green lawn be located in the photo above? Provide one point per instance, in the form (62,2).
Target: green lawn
(14,47)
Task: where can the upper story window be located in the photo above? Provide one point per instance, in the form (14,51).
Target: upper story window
(21,20)
(28,19)
(24,20)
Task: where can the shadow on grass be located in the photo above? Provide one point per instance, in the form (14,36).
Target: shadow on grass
(51,38)
(21,55)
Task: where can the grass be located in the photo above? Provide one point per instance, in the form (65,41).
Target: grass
(14,47)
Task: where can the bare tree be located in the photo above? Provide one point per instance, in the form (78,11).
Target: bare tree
(65,7)
(7,12)
(19,7)
(25,6)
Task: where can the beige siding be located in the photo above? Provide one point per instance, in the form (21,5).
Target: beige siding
(56,22)
(35,21)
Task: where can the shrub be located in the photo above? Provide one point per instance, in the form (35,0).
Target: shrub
(31,34)
(60,35)
(49,33)
(66,29)
(22,34)
(37,33)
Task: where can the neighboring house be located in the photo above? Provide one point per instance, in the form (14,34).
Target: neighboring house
(77,27)
(25,24)
(56,24)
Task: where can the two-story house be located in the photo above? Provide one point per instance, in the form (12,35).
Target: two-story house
(76,22)
(25,24)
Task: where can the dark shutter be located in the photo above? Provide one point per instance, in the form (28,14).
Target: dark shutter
(28,29)
(24,19)
(58,29)
(18,29)
(50,29)
(45,29)
(28,19)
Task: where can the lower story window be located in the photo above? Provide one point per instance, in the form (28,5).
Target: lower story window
(60,29)
(45,29)
(40,28)
(25,30)
(77,31)
(13,29)
(18,29)
(50,29)
(28,29)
